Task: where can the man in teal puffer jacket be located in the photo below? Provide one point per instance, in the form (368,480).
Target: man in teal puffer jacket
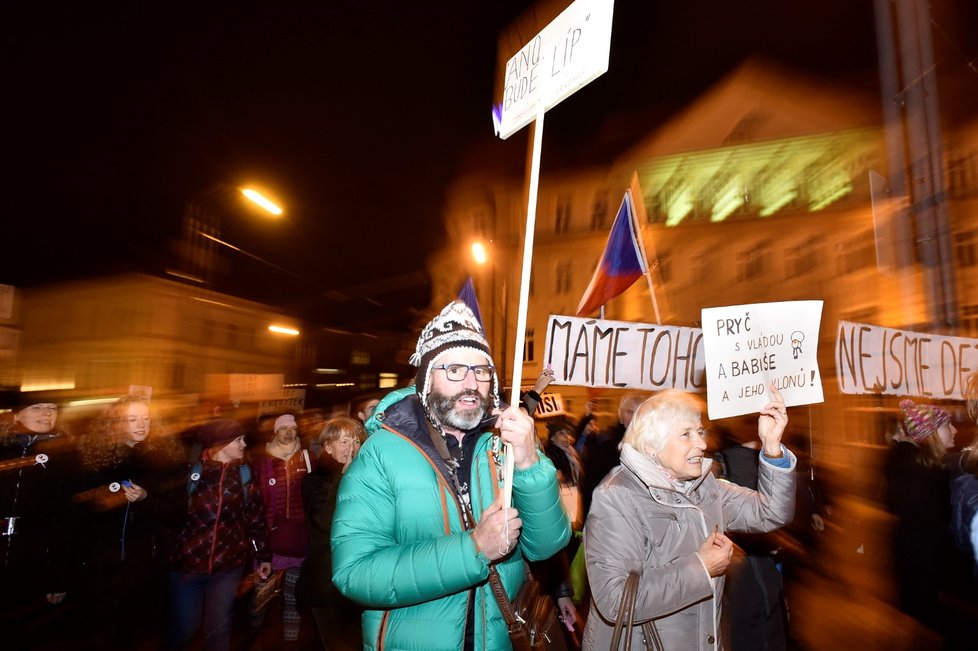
(399,540)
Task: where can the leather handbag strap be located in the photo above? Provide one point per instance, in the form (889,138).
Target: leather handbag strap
(626,613)
(626,619)
(513,621)
(652,636)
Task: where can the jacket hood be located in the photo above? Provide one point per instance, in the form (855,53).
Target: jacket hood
(651,474)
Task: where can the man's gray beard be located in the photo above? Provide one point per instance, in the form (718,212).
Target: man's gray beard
(443,409)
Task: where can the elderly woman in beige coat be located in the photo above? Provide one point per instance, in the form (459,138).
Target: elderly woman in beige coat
(663,515)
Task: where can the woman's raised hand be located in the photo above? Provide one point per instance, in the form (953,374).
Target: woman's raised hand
(771,422)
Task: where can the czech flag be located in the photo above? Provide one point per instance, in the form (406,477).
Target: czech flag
(621,264)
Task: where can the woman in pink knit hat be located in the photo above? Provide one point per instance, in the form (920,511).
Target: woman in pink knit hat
(919,497)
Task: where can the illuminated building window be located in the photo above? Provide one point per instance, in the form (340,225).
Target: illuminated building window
(562,280)
(207,332)
(387,381)
(599,211)
(702,267)
(962,176)
(964,249)
(562,215)
(178,373)
(804,258)
(361,357)
(828,181)
(653,211)
(857,253)
(528,346)
(969,319)
(752,262)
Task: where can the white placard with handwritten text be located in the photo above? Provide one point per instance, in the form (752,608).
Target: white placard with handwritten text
(750,346)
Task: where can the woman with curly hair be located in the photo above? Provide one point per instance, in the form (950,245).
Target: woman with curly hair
(126,465)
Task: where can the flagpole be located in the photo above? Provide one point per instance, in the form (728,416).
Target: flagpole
(648,270)
(531,218)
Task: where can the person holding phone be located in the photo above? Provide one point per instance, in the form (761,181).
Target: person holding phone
(662,514)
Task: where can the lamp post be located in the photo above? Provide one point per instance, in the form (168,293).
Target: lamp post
(498,314)
(302,355)
(262,201)
(202,217)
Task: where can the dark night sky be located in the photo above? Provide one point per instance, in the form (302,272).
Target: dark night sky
(356,118)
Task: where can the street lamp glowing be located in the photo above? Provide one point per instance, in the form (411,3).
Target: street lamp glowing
(266,204)
(283,330)
(479,253)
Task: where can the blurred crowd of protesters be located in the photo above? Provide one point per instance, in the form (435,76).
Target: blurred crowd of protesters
(127,530)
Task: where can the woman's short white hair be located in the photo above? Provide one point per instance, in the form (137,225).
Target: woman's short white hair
(656,419)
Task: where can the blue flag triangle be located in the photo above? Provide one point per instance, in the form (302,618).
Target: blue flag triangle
(467,296)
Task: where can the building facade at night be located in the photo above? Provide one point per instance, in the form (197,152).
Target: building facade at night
(85,341)
(760,191)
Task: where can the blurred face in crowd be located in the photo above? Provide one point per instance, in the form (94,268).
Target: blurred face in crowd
(266,425)
(286,435)
(343,448)
(626,410)
(137,421)
(459,404)
(234,451)
(682,454)
(367,410)
(946,433)
(39,418)
(563,438)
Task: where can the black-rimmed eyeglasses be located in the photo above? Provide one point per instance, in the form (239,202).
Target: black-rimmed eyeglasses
(457,372)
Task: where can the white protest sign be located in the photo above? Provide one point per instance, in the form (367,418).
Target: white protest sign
(750,346)
(624,355)
(567,54)
(292,400)
(551,404)
(254,387)
(874,359)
